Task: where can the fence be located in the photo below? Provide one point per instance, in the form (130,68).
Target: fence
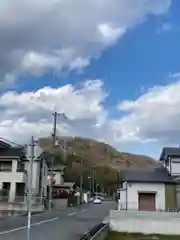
(134,206)
(145,222)
(21,199)
(99,232)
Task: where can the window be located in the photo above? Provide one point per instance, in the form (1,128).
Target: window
(5,166)
(20,167)
(166,162)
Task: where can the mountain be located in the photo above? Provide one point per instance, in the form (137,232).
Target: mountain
(85,156)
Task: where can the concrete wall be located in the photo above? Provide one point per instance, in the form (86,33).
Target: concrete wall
(20,207)
(145,222)
(132,194)
(60,203)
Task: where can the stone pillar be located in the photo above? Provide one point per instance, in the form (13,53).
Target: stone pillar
(12,193)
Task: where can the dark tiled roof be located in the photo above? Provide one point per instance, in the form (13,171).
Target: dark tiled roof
(10,152)
(157,175)
(169,152)
(4,144)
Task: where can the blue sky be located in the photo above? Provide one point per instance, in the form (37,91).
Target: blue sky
(129,66)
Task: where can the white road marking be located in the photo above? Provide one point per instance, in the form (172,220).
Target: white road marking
(45,221)
(32,225)
(71,214)
(84,210)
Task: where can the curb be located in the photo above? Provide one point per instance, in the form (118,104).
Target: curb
(32,213)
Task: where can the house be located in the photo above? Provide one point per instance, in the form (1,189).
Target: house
(170,158)
(58,174)
(147,190)
(14,172)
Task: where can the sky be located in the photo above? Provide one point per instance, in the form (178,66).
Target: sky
(111,66)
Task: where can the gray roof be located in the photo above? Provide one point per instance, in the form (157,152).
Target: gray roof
(156,175)
(169,152)
(4,144)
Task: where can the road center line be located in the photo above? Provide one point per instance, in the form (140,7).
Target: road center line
(32,225)
(84,210)
(71,214)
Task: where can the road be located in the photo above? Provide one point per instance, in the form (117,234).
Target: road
(67,224)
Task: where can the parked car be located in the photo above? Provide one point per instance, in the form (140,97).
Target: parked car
(97,200)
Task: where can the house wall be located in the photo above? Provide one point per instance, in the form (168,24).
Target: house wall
(174,166)
(131,195)
(13,177)
(170,197)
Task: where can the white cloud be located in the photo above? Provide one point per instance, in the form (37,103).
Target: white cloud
(30,113)
(154,116)
(38,36)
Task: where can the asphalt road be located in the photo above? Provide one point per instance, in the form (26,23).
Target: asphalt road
(67,224)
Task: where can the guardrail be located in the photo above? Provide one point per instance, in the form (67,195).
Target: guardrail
(99,232)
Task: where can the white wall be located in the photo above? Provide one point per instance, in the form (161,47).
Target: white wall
(145,222)
(132,195)
(58,178)
(174,166)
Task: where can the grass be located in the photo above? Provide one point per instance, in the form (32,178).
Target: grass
(138,236)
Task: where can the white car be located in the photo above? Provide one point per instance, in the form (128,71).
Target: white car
(97,200)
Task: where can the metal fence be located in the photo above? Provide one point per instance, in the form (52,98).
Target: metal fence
(99,232)
(132,206)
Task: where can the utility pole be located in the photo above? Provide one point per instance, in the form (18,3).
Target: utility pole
(30,175)
(90,188)
(42,181)
(55,114)
(65,150)
(81,179)
(93,182)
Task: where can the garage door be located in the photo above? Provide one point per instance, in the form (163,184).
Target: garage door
(147,201)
